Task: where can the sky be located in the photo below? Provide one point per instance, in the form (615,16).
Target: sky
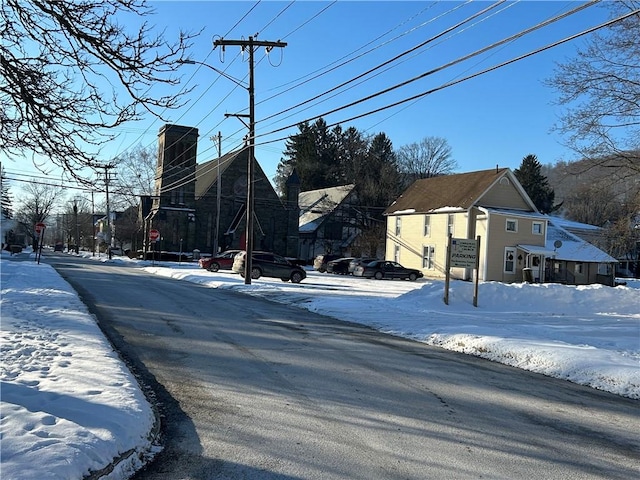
(494,119)
(69,405)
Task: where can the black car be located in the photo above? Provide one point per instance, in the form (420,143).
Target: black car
(360,261)
(267,264)
(339,266)
(386,269)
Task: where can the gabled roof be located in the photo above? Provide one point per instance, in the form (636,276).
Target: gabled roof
(452,192)
(317,205)
(207,173)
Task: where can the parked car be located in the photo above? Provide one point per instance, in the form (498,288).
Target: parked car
(267,264)
(380,269)
(221,261)
(360,261)
(339,266)
(320,262)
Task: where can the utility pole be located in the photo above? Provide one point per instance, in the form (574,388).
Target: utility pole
(218,195)
(93,226)
(106,185)
(251,45)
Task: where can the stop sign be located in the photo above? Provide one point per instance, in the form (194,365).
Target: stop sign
(154,235)
(40,227)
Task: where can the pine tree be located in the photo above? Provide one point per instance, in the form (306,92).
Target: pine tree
(529,174)
(7,200)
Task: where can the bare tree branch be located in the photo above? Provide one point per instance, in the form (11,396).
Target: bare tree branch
(71,73)
(600,89)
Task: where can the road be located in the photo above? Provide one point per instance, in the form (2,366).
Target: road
(250,389)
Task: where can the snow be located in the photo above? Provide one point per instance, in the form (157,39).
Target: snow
(69,405)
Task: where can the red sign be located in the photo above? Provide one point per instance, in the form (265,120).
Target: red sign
(40,227)
(154,235)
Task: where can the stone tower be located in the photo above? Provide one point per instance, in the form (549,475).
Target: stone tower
(174,199)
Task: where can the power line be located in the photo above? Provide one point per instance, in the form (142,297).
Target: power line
(454,62)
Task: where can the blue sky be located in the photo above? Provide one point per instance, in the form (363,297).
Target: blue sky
(495,119)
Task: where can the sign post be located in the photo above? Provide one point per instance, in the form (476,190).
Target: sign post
(462,253)
(39,229)
(154,236)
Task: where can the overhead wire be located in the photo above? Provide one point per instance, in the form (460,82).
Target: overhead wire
(171,186)
(449,64)
(315,16)
(391,60)
(438,69)
(412,98)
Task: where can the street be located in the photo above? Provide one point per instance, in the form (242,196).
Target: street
(252,389)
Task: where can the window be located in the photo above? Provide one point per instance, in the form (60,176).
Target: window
(428,254)
(511,225)
(427,225)
(578,268)
(396,253)
(398,225)
(536,228)
(509,260)
(450,222)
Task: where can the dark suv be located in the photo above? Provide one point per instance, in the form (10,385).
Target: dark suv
(267,264)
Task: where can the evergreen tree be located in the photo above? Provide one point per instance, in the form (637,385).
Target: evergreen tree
(7,200)
(315,154)
(378,180)
(529,174)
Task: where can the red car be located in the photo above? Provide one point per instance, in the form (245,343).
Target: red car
(222,261)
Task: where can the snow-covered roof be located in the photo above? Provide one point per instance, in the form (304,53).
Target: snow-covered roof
(573,248)
(564,223)
(316,205)
(516,213)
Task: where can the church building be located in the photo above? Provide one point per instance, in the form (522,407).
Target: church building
(204,206)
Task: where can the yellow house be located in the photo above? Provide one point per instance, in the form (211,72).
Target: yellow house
(490,204)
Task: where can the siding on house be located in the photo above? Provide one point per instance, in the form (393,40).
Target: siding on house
(504,194)
(499,238)
(412,239)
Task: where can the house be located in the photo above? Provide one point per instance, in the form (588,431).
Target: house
(204,206)
(515,239)
(327,222)
(575,260)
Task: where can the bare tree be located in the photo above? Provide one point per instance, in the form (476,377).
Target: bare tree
(135,176)
(36,204)
(428,158)
(600,89)
(71,73)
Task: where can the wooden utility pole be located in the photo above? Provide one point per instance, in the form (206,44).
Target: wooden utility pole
(249,44)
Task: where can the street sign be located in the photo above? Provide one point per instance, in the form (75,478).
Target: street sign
(40,227)
(464,252)
(154,235)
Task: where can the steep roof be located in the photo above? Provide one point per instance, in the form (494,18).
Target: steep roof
(207,172)
(316,205)
(460,191)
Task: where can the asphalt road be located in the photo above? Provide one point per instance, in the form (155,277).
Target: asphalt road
(250,389)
